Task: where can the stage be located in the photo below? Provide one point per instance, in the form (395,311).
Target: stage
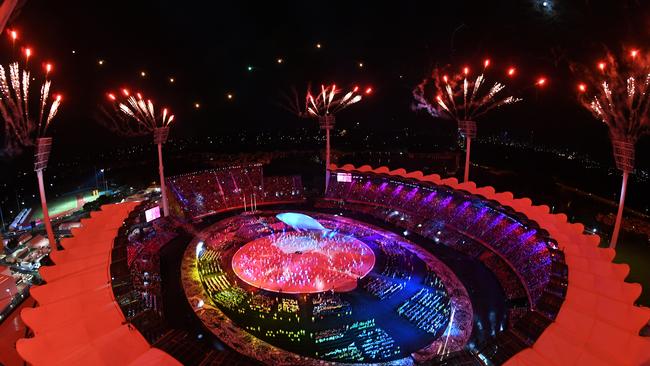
(297,262)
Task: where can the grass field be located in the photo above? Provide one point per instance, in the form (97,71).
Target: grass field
(60,205)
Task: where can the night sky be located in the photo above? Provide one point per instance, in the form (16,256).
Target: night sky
(207,48)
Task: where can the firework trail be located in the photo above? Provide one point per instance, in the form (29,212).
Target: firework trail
(458,96)
(133,115)
(20,128)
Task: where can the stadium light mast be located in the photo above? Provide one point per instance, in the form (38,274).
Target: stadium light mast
(326,123)
(323,107)
(41,158)
(457,97)
(617,93)
(133,115)
(26,124)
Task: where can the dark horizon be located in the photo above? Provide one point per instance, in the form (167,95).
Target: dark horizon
(208,50)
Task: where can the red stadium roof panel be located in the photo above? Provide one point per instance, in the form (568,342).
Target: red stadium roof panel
(78,321)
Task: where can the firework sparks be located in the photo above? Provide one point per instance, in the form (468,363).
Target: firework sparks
(134,115)
(331,100)
(20,128)
(619,95)
(460,97)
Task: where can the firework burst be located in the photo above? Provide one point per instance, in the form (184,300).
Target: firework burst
(134,115)
(331,100)
(24,119)
(462,98)
(459,96)
(617,94)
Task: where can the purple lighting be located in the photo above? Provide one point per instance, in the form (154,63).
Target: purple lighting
(526,236)
(412,194)
(446,202)
(430,197)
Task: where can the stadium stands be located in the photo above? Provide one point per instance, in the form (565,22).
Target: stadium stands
(209,192)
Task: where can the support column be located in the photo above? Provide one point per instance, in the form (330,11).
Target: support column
(468,145)
(46,214)
(467,129)
(163,191)
(624,156)
(41,158)
(326,123)
(619,214)
(159,138)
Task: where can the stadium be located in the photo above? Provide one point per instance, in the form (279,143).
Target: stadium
(292,183)
(385,267)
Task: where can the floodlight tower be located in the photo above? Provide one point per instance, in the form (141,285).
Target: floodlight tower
(618,94)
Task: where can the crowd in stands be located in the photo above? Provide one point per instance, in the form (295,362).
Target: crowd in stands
(398,260)
(528,264)
(455,218)
(208,192)
(136,262)
(138,295)
(507,278)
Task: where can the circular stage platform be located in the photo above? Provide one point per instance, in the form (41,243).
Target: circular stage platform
(303,262)
(340,291)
